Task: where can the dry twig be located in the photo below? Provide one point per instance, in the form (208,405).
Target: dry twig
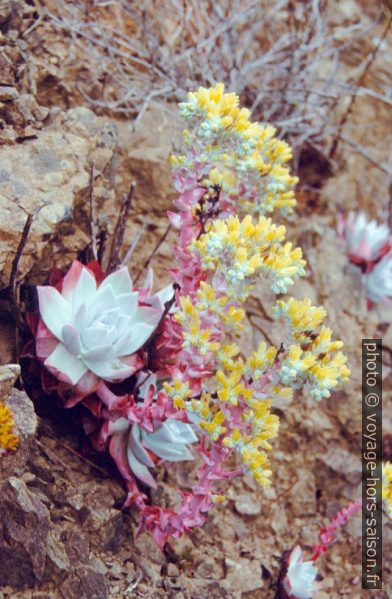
(13,286)
(367,66)
(274,64)
(154,251)
(119,229)
(92,214)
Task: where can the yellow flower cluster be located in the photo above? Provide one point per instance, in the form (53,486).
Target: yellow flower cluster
(228,383)
(178,391)
(387,487)
(301,317)
(260,425)
(259,361)
(231,386)
(252,443)
(8,440)
(237,151)
(311,359)
(244,161)
(212,422)
(240,249)
(193,333)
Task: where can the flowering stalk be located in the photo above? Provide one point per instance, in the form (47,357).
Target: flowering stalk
(328,533)
(298,577)
(220,256)
(164,523)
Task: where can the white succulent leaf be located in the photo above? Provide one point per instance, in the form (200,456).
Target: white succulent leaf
(365,239)
(96,326)
(121,425)
(378,282)
(169,443)
(300,580)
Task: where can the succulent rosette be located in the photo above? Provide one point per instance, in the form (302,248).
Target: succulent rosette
(369,246)
(378,282)
(300,579)
(90,329)
(137,449)
(147,432)
(365,241)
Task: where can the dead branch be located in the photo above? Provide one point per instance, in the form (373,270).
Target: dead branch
(218,42)
(154,251)
(386,168)
(136,240)
(13,287)
(361,80)
(92,214)
(119,230)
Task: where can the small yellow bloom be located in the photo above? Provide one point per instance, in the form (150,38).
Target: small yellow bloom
(387,487)
(9,441)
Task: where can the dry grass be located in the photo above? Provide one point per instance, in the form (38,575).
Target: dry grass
(283,58)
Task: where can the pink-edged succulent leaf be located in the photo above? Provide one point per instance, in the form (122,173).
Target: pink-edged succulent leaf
(94,325)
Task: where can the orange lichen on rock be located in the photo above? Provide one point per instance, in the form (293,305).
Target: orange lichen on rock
(9,441)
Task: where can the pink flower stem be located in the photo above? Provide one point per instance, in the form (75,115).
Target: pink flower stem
(328,533)
(164,522)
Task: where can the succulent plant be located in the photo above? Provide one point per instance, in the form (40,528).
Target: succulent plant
(93,330)
(364,240)
(300,579)
(168,442)
(378,282)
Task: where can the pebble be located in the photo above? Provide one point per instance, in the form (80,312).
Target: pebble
(172,570)
(246,505)
(8,93)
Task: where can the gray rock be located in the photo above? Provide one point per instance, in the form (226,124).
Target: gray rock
(35,551)
(23,535)
(8,93)
(52,169)
(247,505)
(345,463)
(84,583)
(8,375)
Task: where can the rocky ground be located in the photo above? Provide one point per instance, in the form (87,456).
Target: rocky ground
(63,533)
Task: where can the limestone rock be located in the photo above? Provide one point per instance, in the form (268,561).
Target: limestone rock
(84,583)
(95,512)
(51,171)
(22,110)
(302,495)
(8,93)
(243,574)
(247,505)
(24,414)
(345,463)
(8,375)
(144,150)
